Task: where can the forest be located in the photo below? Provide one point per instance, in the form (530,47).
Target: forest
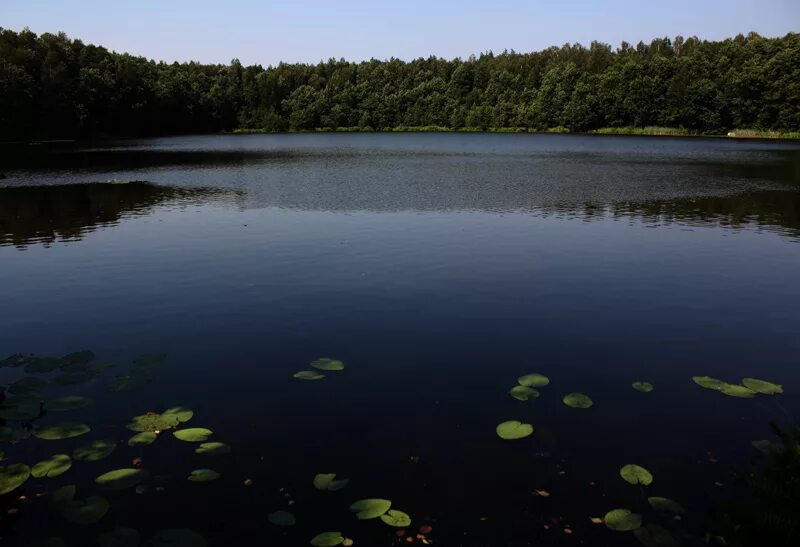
(55,87)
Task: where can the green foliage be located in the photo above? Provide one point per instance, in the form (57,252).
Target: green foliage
(55,87)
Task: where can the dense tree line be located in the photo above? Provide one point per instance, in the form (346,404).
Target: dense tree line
(55,87)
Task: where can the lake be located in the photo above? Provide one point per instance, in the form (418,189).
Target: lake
(439,268)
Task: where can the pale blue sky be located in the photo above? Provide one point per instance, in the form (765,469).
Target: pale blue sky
(265,32)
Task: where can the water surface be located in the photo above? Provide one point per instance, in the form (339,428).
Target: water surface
(439,268)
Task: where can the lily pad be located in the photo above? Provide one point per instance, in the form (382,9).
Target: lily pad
(533,380)
(636,474)
(120,537)
(6,433)
(43,365)
(29,384)
(203,475)
(148,365)
(325,481)
(87,511)
(153,421)
(142,439)
(523,393)
(282,518)
(327,364)
(644,387)
(21,407)
(577,400)
(513,429)
(64,430)
(128,382)
(735,390)
(193,434)
(52,466)
(213,449)
(396,518)
(120,479)
(622,520)
(309,375)
(762,386)
(70,402)
(709,383)
(370,508)
(78,357)
(666,505)
(96,450)
(17,360)
(177,537)
(327,539)
(765,446)
(63,494)
(13,476)
(653,535)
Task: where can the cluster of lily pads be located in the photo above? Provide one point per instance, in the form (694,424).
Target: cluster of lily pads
(747,389)
(25,404)
(625,520)
(325,364)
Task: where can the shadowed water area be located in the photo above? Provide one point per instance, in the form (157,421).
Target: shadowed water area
(439,268)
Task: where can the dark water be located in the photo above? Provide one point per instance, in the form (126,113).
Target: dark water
(439,268)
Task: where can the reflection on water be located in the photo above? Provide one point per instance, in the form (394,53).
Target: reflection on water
(45,214)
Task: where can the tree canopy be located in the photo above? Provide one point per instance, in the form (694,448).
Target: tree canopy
(54,87)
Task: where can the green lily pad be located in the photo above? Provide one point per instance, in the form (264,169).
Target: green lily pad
(523,393)
(734,390)
(622,520)
(653,535)
(52,466)
(13,476)
(96,450)
(577,400)
(128,382)
(513,429)
(181,413)
(533,380)
(70,402)
(636,474)
(21,407)
(709,383)
(120,537)
(765,446)
(370,508)
(666,505)
(6,433)
(644,387)
(213,449)
(282,518)
(29,384)
(762,386)
(396,518)
(87,511)
(43,365)
(64,430)
(327,364)
(78,357)
(142,439)
(120,479)
(177,537)
(153,421)
(203,475)
(148,365)
(325,481)
(63,495)
(327,539)
(17,360)
(193,434)
(309,375)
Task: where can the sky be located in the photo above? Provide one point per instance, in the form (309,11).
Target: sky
(266,32)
